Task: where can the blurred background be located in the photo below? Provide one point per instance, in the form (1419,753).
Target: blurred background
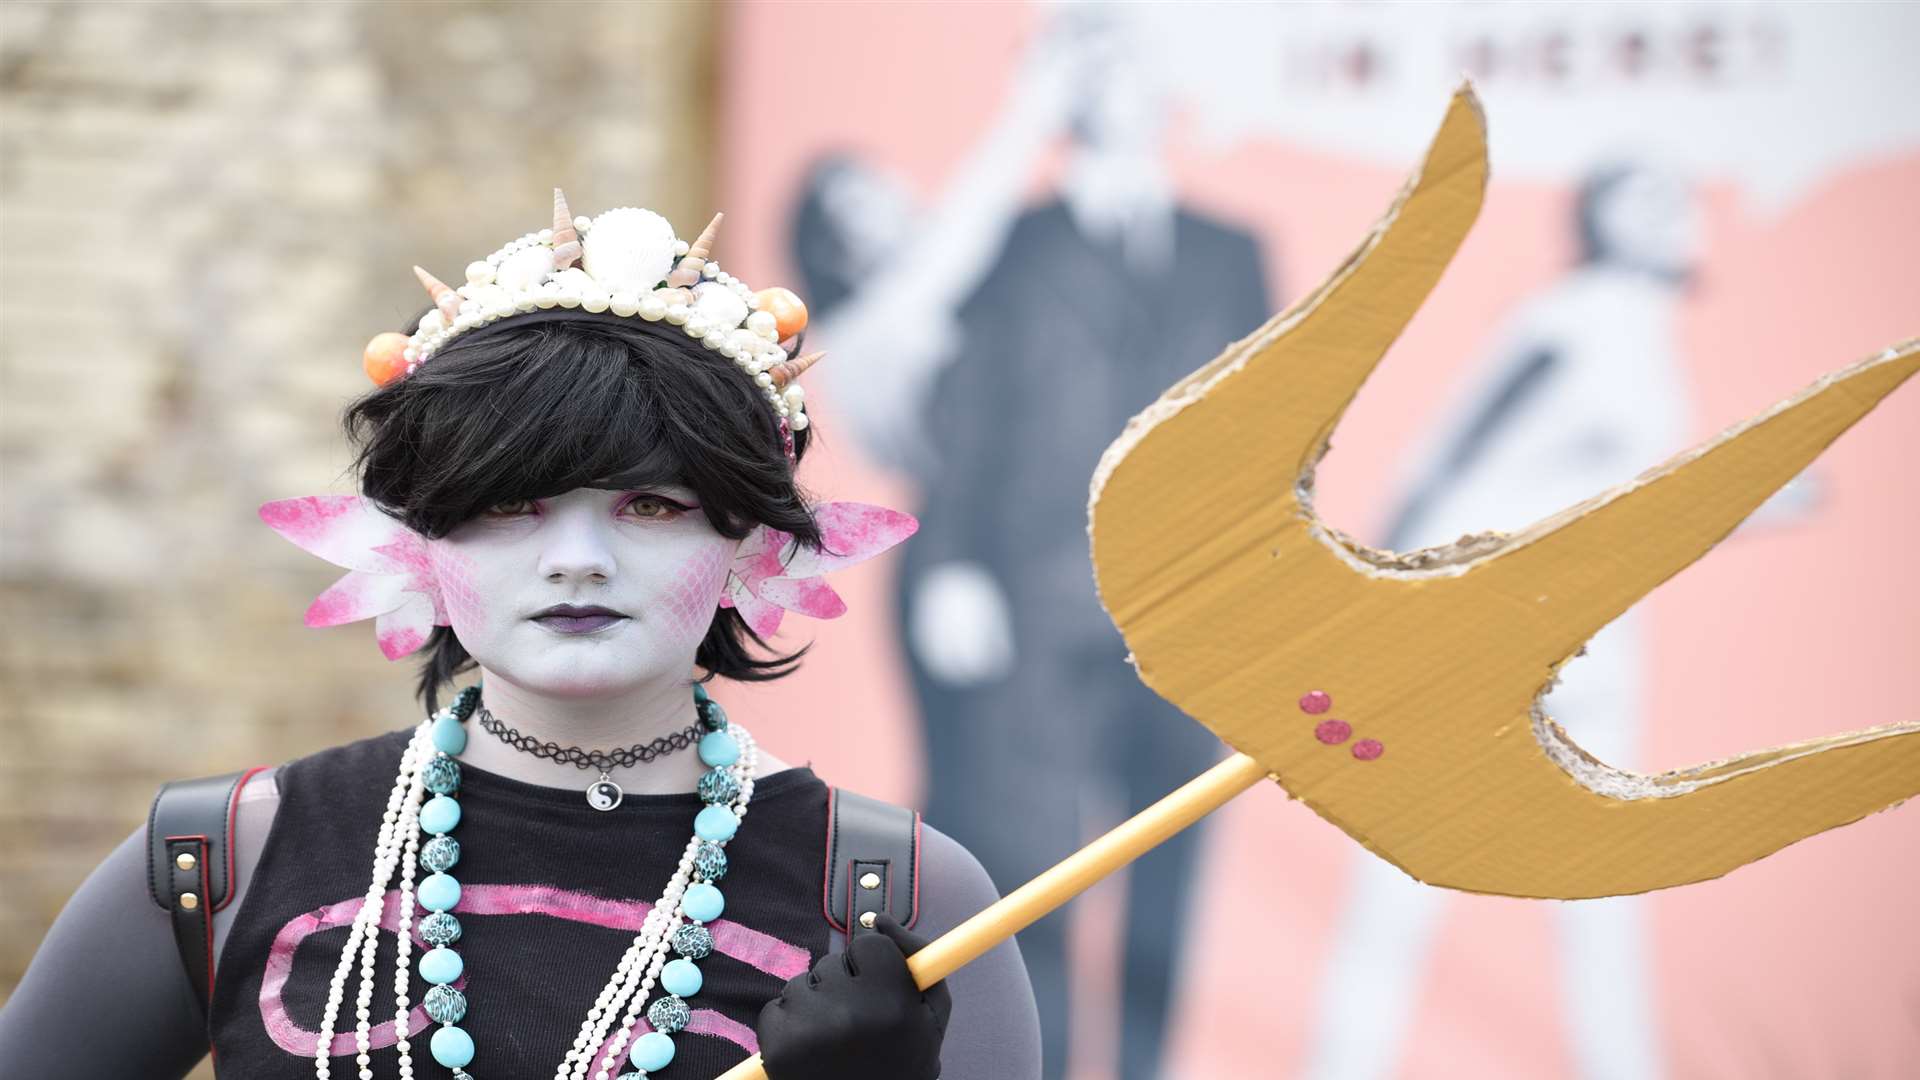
(1697,209)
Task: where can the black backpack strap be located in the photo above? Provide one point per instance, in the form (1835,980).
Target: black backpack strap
(873,862)
(190,864)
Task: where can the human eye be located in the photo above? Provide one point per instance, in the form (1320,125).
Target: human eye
(511,508)
(648,506)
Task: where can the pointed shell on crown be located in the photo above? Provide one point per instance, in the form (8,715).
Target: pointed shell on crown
(626,261)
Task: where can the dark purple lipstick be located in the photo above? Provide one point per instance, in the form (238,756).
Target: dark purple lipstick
(576,619)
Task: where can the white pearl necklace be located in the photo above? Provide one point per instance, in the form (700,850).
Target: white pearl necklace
(397,847)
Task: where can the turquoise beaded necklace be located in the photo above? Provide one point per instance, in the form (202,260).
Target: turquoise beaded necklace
(727,787)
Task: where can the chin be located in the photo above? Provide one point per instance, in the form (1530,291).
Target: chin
(581,687)
(595,680)
(600,677)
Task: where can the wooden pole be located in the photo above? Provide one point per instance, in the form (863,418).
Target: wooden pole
(1074,875)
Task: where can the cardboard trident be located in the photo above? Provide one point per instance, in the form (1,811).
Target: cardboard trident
(1255,617)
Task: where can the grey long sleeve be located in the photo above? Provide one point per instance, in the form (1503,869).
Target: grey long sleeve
(995,1030)
(110,954)
(106,994)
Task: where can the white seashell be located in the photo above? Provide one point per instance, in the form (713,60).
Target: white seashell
(575,279)
(628,250)
(522,269)
(764,324)
(718,305)
(433,322)
(489,296)
(745,340)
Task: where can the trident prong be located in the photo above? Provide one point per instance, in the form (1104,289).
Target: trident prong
(1234,595)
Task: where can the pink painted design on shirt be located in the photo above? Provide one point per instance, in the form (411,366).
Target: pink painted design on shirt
(772,574)
(1315,702)
(1368,749)
(1333,732)
(761,951)
(391,578)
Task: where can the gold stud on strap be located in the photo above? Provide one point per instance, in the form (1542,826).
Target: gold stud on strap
(185,860)
(867,919)
(189,901)
(870,881)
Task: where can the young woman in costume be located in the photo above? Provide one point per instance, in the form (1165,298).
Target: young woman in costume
(577,480)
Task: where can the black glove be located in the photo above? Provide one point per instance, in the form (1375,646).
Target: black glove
(858,1016)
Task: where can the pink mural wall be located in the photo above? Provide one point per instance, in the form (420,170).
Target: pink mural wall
(1806,964)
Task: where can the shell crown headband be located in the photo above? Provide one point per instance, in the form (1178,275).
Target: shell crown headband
(626,261)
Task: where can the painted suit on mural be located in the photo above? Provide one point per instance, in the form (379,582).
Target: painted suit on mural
(1062,343)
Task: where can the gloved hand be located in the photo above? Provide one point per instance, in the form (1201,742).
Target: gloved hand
(858,1014)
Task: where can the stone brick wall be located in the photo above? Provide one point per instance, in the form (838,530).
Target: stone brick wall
(205,211)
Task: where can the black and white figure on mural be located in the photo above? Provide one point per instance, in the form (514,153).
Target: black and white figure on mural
(1080,313)
(1582,390)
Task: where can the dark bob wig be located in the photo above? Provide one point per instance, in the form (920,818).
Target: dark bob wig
(553,400)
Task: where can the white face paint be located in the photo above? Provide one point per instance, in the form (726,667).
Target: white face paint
(648,556)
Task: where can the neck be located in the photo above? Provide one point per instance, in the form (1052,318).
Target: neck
(601,723)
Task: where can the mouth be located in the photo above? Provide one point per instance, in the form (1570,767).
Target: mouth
(575,619)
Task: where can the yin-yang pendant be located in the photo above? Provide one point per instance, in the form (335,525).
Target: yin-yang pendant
(603,794)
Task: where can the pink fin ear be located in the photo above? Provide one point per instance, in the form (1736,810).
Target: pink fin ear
(406,628)
(345,530)
(772,574)
(851,533)
(759,558)
(808,596)
(392,579)
(357,596)
(762,616)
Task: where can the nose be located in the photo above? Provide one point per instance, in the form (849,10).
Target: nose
(575,547)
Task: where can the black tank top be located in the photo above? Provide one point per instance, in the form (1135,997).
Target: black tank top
(552,893)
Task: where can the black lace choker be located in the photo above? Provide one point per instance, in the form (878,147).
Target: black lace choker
(604,794)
